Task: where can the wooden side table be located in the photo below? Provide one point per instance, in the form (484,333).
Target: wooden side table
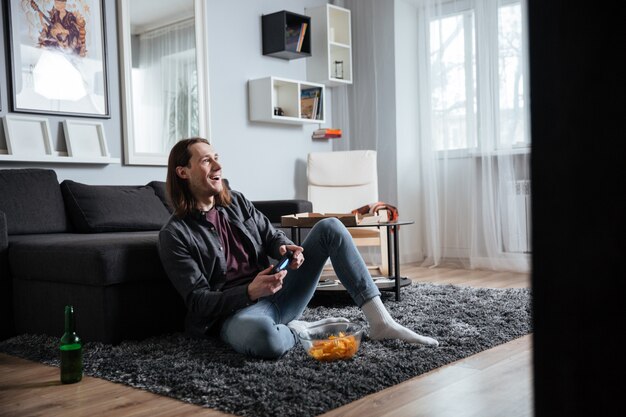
(393,254)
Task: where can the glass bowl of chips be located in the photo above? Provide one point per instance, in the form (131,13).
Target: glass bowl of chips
(332,341)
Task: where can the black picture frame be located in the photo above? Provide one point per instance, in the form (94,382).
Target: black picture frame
(58,57)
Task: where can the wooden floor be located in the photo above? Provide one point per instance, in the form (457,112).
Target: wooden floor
(496,382)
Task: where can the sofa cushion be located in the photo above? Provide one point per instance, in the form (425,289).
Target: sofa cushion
(113,208)
(32,202)
(89,259)
(161,192)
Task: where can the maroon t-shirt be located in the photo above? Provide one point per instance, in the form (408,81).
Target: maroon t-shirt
(239,270)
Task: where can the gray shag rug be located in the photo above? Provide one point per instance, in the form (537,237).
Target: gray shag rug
(464,320)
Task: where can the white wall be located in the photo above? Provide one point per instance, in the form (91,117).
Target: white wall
(265,161)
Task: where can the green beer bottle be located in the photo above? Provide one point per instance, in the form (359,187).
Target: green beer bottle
(71,351)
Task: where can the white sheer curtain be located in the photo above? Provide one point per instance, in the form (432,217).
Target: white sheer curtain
(165,84)
(474,133)
(471,144)
(358,108)
(354,109)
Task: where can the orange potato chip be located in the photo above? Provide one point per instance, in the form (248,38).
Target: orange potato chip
(336,347)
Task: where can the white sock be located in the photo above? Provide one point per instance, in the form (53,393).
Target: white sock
(383,326)
(298,326)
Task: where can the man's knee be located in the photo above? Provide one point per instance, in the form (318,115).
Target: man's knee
(267,342)
(331,223)
(331,226)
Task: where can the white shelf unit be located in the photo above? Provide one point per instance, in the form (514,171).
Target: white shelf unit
(331,32)
(266,94)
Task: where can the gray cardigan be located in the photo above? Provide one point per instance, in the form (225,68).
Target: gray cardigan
(193,259)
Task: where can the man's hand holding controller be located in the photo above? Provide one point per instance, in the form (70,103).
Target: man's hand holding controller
(270,280)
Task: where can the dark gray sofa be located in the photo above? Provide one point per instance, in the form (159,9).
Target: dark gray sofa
(93,247)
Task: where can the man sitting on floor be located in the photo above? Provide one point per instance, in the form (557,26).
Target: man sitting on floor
(215,251)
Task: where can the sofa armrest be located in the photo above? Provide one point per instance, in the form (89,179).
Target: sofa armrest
(274,209)
(7,326)
(4,233)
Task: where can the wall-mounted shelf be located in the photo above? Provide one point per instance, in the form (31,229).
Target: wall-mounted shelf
(332,42)
(28,139)
(286,35)
(58,159)
(281,100)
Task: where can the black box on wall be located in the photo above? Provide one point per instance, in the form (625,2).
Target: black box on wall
(286,35)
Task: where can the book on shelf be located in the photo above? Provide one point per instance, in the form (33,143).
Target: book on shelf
(327,133)
(318,110)
(294,37)
(311,92)
(327,283)
(326,137)
(301,39)
(310,103)
(308,106)
(328,130)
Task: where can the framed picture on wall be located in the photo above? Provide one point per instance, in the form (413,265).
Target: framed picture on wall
(58,57)
(27,135)
(85,138)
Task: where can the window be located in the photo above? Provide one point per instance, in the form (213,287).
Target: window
(453,81)
(462,89)
(511,80)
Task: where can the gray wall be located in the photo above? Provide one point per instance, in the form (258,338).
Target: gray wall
(265,161)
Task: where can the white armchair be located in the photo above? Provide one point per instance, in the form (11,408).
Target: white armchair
(341,181)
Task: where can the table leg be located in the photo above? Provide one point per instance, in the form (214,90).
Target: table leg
(396,255)
(295,235)
(389,263)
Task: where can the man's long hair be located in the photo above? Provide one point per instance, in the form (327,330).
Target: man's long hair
(183,201)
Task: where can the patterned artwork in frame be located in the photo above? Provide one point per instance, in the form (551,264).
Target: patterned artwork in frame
(58,57)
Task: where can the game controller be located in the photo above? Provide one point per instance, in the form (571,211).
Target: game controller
(283,263)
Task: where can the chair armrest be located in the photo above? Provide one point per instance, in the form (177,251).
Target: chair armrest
(274,209)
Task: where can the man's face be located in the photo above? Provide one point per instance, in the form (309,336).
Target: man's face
(204,173)
(59,4)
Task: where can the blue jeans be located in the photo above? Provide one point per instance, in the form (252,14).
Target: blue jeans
(260,330)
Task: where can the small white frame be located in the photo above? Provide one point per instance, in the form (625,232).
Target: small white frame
(85,139)
(27,135)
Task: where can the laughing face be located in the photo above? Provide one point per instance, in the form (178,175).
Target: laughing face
(204,174)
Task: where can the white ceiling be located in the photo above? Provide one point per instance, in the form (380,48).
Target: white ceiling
(148,14)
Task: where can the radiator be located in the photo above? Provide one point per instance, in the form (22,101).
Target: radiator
(516,220)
